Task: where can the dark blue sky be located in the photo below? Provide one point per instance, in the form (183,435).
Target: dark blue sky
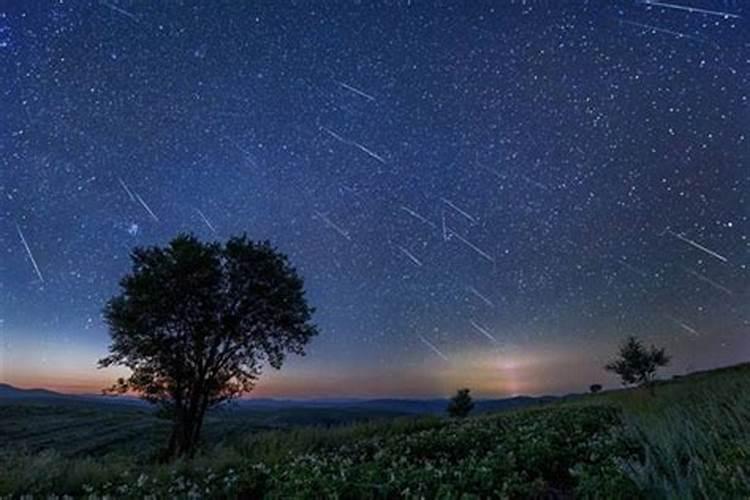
(482,193)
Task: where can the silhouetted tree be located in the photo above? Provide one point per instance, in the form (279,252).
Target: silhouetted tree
(461,404)
(194,322)
(594,388)
(637,365)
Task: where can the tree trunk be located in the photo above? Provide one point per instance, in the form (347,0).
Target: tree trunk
(188,421)
(199,423)
(181,443)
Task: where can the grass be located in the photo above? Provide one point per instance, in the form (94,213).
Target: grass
(77,431)
(695,435)
(690,441)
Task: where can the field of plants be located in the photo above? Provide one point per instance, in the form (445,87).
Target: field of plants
(80,430)
(692,440)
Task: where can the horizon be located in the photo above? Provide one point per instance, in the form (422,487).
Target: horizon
(608,380)
(323,398)
(490,195)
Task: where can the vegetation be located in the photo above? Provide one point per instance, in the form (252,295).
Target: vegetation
(461,404)
(94,430)
(691,442)
(637,365)
(594,388)
(194,322)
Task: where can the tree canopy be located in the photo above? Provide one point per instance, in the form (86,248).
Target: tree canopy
(461,404)
(195,323)
(636,364)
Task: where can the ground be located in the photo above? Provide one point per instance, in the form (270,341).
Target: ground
(691,440)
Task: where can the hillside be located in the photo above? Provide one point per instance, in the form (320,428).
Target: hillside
(690,441)
(79,425)
(8,391)
(390,406)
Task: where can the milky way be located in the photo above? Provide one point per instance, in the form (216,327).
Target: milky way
(466,187)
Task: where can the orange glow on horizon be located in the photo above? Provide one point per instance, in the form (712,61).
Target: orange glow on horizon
(489,374)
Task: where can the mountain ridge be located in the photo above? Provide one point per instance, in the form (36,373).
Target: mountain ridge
(10,393)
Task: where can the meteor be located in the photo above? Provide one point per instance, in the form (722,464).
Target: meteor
(410,256)
(146,207)
(483,331)
(356,91)
(725,15)
(432,347)
(462,212)
(205,219)
(355,144)
(698,246)
(328,222)
(417,216)
(28,252)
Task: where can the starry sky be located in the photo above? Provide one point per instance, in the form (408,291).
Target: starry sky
(478,193)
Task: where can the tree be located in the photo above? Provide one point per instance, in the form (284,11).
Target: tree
(461,404)
(594,388)
(637,365)
(195,322)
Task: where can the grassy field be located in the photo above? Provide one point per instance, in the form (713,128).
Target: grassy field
(74,430)
(694,435)
(690,441)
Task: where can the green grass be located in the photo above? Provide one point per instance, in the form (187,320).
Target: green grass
(80,430)
(690,441)
(75,431)
(695,434)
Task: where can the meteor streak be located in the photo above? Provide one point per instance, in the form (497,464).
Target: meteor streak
(126,188)
(662,30)
(483,331)
(683,325)
(120,10)
(417,216)
(462,212)
(432,347)
(328,222)
(698,246)
(146,207)
(355,144)
(480,296)
(470,245)
(410,256)
(725,15)
(708,280)
(205,219)
(28,252)
(356,91)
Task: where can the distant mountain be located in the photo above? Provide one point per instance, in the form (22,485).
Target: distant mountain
(395,405)
(382,406)
(8,391)
(12,394)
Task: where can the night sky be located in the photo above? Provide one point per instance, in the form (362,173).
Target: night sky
(490,194)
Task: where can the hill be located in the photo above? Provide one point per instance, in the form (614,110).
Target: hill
(90,425)
(8,391)
(396,405)
(376,407)
(692,440)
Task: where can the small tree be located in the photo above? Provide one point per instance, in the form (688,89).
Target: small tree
(637,365)
(194,322)
(594,388)
(461,404)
